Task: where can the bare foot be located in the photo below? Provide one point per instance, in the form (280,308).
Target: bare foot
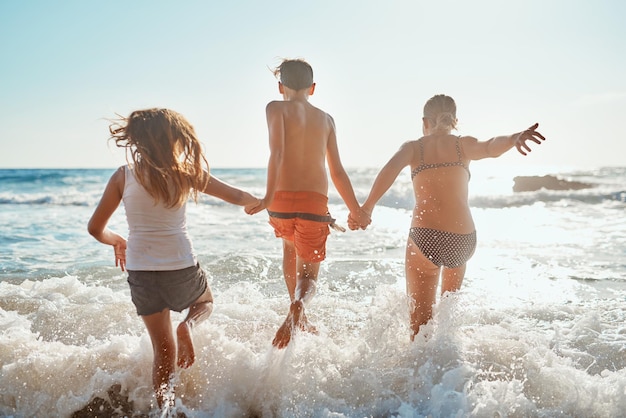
(186,354)
(165,397)
(306,326)
(293,320)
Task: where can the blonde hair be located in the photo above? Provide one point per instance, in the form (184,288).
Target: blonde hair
(296,74)
(167,155)
(441,111)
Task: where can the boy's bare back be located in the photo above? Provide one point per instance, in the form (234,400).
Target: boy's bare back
(301,134)
(303,143)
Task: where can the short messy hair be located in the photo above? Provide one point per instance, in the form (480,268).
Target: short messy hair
(166,153)
(295,74)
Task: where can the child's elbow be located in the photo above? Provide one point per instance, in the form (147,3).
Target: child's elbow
(93,229)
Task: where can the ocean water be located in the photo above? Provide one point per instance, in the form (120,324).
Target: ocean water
(538,329)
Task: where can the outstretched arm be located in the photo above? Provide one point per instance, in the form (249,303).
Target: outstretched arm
(97,226)
(388,175)
(495,147)
(529,134)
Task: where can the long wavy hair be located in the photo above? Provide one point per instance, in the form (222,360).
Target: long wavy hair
(166,154)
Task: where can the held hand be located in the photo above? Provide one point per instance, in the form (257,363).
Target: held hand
(352,224)
(529,134)
(366,218)
(359,220)
(255,207)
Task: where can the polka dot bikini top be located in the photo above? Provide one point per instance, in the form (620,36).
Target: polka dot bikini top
(424,166)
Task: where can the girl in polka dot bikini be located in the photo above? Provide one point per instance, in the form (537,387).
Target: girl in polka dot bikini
(442,237)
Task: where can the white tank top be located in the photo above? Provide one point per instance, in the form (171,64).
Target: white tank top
(157,237)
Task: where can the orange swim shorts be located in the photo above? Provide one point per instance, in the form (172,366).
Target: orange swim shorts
(302,217)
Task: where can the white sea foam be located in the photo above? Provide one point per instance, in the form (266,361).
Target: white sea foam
(536,331)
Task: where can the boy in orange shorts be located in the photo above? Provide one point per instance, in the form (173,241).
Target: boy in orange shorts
(302,140)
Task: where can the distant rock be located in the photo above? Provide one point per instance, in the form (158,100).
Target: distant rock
(548,182)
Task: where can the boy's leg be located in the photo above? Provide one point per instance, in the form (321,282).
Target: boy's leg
(422,278)
(289,267)
(161,334)
(199,311)
(306,287)
(306,282)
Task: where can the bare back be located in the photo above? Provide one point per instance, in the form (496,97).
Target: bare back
(300,134)
(440,182)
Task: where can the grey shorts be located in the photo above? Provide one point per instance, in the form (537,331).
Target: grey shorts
(153,291)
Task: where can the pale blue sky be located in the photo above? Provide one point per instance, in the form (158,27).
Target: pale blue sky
(66,66)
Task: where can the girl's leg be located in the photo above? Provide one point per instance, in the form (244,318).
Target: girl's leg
(422,278)
(452,279)
(199,311)
(159,327)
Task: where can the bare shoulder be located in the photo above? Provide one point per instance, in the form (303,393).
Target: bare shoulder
(471,147)
(275,106)
(467,141)
(323,120)
(330,119)
(120,173)
(408,148)
(409,145)
(119,177)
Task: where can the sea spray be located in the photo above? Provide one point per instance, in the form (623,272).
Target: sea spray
(537,329)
